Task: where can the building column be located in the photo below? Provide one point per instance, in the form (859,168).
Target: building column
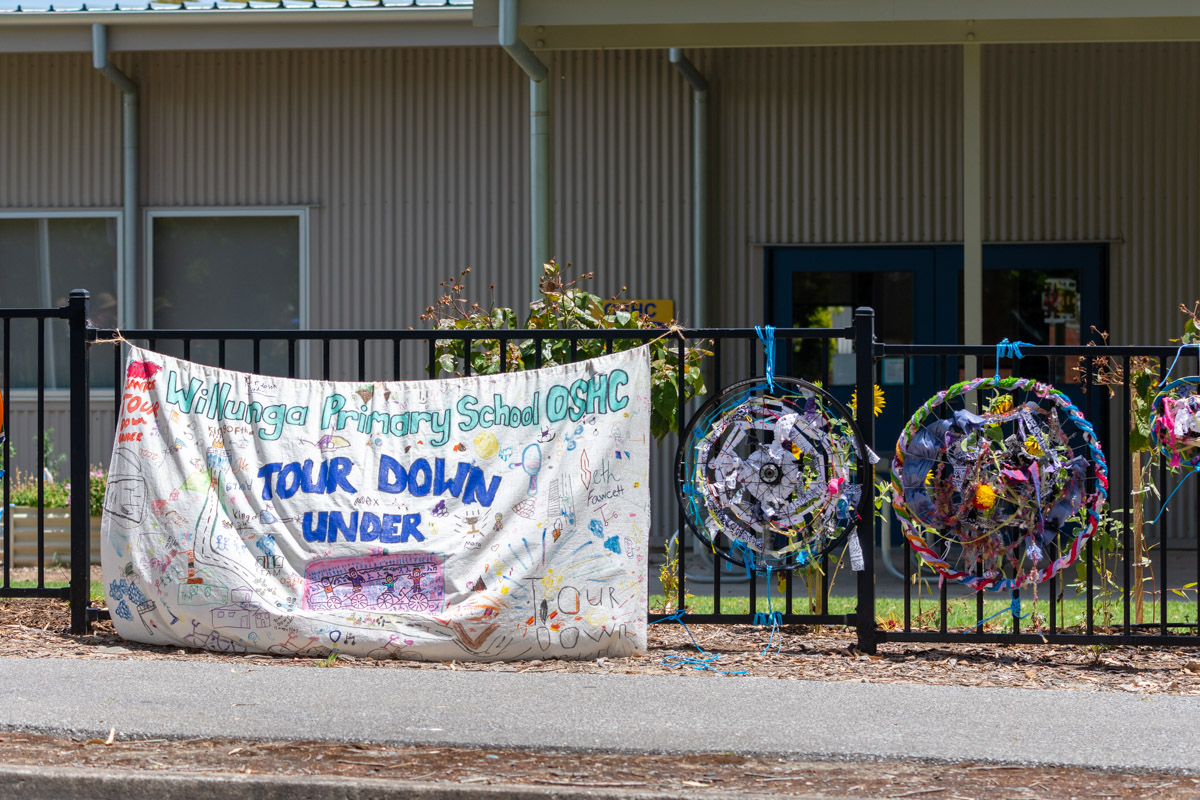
(972,172)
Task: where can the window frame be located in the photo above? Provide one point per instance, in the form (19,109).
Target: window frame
(82,213)
(152,214)
(25,393)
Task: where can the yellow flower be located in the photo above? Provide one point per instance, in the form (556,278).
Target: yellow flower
(880,402)
(1033,448)
(985,497)
(1001,404)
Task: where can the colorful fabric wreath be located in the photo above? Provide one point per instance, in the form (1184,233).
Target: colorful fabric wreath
(980,496)
(768,473)
(1175,422)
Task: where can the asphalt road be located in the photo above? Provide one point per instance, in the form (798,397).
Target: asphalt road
(688,713)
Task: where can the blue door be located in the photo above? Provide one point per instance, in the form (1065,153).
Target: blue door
(1041,294)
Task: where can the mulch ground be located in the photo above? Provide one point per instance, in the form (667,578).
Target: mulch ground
(38,628)
(676,776)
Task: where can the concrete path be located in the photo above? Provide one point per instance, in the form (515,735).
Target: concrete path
(686,713)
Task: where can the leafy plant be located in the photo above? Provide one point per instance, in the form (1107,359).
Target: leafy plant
(562,306)
(23,491)
(1143,377)
(668,574)
(51,458)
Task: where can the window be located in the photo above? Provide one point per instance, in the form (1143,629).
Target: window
(229,269)
(43,256)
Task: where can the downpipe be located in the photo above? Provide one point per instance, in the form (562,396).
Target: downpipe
(127,282)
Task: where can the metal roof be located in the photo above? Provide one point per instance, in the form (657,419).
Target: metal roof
(51,7)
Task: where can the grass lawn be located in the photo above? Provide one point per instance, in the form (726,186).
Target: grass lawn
(960,612)
(96,593)
(889,612)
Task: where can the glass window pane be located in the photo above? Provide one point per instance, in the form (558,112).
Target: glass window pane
(1039,306)
(828,299)
(41,261)
(228,272)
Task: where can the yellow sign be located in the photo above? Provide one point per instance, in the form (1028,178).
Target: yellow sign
(660,312)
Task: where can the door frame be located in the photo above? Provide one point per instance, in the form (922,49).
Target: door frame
(944,276)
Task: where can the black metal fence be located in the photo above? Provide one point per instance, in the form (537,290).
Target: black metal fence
(735,354)
(1106,577)
(36,345)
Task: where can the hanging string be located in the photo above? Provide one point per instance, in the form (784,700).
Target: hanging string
(1163,507)
(1178,353)
(1014,609)
(1007,349)
(1167,387)
(688,661)
(118,339)
(773,616)
(766,334)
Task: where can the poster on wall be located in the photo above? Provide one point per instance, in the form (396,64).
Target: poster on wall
(1060,301)
(490,517)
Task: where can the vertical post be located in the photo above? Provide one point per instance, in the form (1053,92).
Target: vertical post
(700,205)
(539,181)
(699,183)
(127,277)
(864,358)
(127,308)
(681,537)
(972,310)
(81,549)
(540,237)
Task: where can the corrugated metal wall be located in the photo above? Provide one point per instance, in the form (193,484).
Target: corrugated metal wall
(415,163)
(622,173)
(1099,142)
(60,134)
(830,145)
(415,160)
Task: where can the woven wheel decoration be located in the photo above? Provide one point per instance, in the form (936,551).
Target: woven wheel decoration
(767,473)
(979,495)
(1175,422)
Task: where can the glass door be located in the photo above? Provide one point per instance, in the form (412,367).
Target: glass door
(821,287)
(1040,294)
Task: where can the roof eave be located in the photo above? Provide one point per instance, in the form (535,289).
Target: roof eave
(247,16)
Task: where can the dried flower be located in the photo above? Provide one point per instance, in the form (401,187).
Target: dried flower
(985,497)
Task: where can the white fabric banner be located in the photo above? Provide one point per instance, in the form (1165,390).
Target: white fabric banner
(490,517)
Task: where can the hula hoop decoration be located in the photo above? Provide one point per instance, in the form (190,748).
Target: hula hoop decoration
(1175,425)
(1175,422)
(1175,417)
(996,490)
(767,473)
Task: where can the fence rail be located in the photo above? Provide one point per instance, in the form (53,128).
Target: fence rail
(735,353)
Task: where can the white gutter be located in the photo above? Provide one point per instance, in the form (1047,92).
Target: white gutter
(210,16)
(540,239)
(127,277)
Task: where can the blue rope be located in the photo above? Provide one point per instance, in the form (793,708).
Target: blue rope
(768,340)
(1007,349)
(1178,353)
(1097,454)
(1163,507)
(1014,609)
(773,616)
(694,663)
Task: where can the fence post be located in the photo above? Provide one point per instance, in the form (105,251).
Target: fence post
(864,357)
(81,549)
